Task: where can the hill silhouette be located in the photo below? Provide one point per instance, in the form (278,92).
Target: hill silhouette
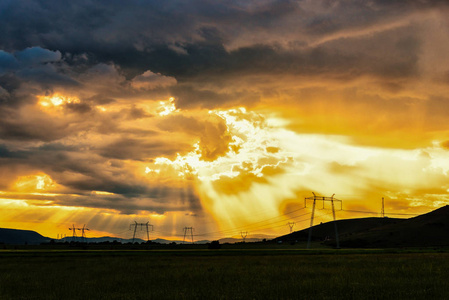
(21,237)
(346,228)
(427,230)
(431,229)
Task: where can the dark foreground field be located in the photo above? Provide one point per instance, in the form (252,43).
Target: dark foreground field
(222,274)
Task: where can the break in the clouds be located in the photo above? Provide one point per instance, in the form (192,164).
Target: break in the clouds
(208,111)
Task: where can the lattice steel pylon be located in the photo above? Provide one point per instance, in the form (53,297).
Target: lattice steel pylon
(83,233)
(316,198)
(244,234)
(382,212)
(290,225)
(185,233)
(142,225)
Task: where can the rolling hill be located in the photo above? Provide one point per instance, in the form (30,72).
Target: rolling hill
(21,237)
(431,229)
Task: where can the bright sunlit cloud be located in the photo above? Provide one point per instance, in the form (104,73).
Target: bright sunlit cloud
(167,107)
(266,165)
(56,100)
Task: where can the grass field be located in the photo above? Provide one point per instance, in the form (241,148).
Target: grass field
(223,274)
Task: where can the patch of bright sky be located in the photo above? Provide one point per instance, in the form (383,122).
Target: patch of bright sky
(306,161)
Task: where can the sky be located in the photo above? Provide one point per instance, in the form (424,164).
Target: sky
(220,115)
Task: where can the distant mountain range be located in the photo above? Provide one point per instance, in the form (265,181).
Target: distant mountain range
(28,237)
(427,230)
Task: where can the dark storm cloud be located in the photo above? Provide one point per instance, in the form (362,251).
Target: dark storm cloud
(7,62)
(189,96)
(205,45)
(33,64)
(127,148)
(6,153)
(14,126)
(37,55)
(186,39)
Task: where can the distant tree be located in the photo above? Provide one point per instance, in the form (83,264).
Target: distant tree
(214,245)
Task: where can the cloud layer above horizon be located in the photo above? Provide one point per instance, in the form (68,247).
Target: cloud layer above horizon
(208,111)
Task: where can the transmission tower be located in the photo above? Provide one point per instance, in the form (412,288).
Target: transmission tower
(244,234)
(315,198)
(83,233)
(73,229)
(185,233)
(382,212)
(142,226)
(291,224)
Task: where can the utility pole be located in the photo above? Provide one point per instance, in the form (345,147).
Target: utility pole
(244,234)
(291,224)
(315,198)
(142,225)
(185,233)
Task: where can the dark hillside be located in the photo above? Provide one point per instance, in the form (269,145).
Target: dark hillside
(21,237)
(431,229)
(428,230)
(346,228)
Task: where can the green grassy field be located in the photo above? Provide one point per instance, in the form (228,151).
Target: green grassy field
(223,274)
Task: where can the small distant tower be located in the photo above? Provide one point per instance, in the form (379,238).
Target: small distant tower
(291,224)
(74,236)
(244,234)
(83,233)
(186,229)
(382,213)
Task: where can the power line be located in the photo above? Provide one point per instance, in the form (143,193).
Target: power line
(249,226)
(272,223)
(376,213)
(282,225)
(256,226)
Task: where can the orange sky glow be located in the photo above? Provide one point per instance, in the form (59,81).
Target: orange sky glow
(198,124)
